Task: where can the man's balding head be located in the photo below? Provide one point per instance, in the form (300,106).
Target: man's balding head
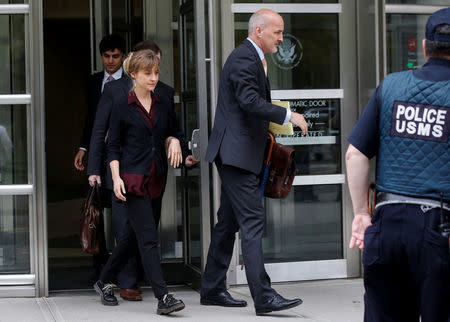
(261,18)
(265,28)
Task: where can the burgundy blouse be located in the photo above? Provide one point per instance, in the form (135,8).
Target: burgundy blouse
(139,184)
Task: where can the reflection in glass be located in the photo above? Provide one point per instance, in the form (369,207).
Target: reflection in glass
(12,54)
(308,58)
(14,235)
(192,184)
(285,1)
(189,52)
(306,226)
(318,152)
(191,177)
(171,227)
(420,2)
(193,216)
(13,144)
(191,117)
(13,1)
(126,20)
(176,63)
(404,34)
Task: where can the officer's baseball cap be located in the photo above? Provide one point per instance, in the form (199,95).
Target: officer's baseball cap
(440,17)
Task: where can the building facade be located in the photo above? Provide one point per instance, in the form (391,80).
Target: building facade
(333,56)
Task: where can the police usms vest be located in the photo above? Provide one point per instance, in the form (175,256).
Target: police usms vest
(418,121)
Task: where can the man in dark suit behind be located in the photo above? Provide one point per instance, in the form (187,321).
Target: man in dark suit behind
(237,145)
(112,51)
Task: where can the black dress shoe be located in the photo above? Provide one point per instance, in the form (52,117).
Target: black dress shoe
(222,299)
(168,304)
(277,303)
(106,292)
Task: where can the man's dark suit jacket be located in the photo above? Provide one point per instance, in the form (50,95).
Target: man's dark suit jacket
(115,93)
(243,112)
(93,97)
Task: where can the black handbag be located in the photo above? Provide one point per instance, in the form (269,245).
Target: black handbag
(91,224)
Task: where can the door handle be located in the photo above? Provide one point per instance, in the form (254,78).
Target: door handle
(194,144)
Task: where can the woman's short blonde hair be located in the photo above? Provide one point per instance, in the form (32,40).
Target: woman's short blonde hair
(140,60)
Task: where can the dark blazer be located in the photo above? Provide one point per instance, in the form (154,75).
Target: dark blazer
(94,92)
(243,112)
(115,93)
(130,140)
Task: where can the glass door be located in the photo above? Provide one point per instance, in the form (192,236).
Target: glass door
(74,28)
(405,28)
(193,97)
(18,241)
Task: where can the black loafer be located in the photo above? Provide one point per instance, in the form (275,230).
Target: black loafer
(169,304)
(106,292)
(222,299)
(277,303)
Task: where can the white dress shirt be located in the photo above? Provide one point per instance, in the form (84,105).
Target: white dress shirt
(116,75)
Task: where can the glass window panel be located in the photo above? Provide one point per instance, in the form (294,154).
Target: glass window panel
(306,226)
(193,216)
(176,62)
(404,41)
(190,68)
(126,20)
(13,1)
(424,2)
(13,144)
(12,54)
(175,10)
(308,58)
(318,152)
(285,1)
(14,235)
(191,115)
(171,230)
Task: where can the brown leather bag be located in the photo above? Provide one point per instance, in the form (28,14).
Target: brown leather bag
(282,169)
(91,225)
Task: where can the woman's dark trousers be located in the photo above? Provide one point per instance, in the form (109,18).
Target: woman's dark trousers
(140,232)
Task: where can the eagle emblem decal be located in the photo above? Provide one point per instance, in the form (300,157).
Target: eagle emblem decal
(289,54)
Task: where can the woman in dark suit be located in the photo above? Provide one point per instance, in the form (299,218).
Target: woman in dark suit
(115,93)
(137,133)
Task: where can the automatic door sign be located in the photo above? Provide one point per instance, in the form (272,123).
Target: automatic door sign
(418,121)
(289,54)
(321,117)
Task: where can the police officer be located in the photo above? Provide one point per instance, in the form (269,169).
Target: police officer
(406,124)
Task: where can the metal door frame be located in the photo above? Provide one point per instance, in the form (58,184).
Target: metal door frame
(34,283)
(198,8)
(401,9)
